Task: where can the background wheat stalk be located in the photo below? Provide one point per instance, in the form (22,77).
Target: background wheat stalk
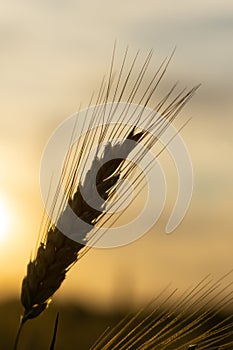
(169,323)
(56,253)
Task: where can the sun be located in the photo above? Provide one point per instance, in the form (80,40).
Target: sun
(4,219)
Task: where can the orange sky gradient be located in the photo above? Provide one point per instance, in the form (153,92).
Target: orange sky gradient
(53,56)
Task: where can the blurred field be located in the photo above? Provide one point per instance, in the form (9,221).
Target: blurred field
(79,327)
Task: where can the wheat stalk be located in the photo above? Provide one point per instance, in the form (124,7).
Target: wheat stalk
(56,253)
(176,324)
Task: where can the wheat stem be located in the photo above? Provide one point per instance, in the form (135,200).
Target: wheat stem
(16,343)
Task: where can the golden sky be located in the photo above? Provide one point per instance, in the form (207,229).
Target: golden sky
(53,55)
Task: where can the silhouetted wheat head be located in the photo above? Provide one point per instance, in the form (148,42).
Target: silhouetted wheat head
(56,253)
(163,328)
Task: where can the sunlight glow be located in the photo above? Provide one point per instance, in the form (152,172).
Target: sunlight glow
(4,219)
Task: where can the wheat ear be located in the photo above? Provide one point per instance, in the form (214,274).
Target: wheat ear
(56,252)
(54,257)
